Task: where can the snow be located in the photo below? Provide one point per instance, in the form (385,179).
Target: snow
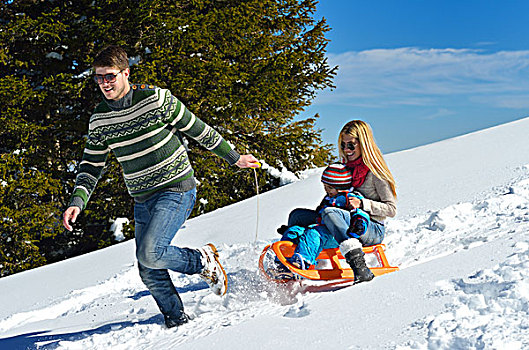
(461,240)
(54,55)
(117,228)
(284,175)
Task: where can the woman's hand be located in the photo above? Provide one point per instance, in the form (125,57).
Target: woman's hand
(354,203)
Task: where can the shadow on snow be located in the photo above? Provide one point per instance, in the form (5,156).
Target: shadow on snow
(39,340)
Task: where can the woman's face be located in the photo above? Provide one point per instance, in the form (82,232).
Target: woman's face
(350,147)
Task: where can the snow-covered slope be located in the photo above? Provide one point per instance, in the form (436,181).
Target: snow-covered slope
(461,240)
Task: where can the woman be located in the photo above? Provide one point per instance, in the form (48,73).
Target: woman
(373,180)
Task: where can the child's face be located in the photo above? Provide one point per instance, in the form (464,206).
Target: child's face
(331,191)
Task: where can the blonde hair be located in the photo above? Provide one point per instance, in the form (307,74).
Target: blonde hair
(371,154)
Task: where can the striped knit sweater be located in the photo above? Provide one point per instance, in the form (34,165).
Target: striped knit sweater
(140,130)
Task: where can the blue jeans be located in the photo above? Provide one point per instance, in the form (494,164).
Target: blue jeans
(337,222)
(157,221)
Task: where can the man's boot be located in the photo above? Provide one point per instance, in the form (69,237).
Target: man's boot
(171,322)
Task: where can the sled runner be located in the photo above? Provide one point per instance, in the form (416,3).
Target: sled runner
(285,249)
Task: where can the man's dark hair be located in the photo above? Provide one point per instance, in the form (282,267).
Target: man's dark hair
(112,56)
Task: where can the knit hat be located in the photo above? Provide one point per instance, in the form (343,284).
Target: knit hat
(338,176)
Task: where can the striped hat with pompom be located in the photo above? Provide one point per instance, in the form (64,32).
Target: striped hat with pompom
(337,176)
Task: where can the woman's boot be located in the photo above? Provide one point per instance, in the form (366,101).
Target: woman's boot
(355,258)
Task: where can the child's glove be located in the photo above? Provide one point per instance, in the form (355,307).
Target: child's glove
(282,229)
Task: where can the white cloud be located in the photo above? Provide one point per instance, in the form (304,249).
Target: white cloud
(513,101)
(412,76)
(441,112)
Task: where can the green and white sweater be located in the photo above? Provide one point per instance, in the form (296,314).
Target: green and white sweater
(140,129)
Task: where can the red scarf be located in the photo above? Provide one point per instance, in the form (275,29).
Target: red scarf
(359,171)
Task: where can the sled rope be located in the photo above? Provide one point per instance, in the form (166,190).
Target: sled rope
(257,201)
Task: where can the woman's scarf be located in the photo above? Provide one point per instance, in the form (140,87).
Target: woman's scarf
(359,171)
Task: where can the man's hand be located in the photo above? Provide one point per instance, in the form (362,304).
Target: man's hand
(70,215)
(248,161)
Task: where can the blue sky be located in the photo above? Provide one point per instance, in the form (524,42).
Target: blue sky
(423,71)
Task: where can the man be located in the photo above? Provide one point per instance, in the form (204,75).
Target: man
(140,125)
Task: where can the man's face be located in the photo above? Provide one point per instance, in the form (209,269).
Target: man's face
(114,83)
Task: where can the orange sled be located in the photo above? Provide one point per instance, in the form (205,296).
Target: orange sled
(285,249)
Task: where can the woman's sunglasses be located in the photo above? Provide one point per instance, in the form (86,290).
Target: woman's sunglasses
(109,78)
(348,145)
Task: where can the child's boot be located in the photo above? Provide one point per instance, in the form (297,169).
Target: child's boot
(359,223)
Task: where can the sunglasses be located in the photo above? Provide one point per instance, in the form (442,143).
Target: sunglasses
(348,145)
(109,78)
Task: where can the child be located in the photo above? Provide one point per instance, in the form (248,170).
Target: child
(311,240)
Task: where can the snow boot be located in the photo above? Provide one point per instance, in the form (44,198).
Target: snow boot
(298,261)
(213,272)
(355,258)
(280,272)
(175,322)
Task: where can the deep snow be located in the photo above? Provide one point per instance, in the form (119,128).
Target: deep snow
(461,240)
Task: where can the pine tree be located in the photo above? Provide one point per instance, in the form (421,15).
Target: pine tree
(46,100)
(245,67)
